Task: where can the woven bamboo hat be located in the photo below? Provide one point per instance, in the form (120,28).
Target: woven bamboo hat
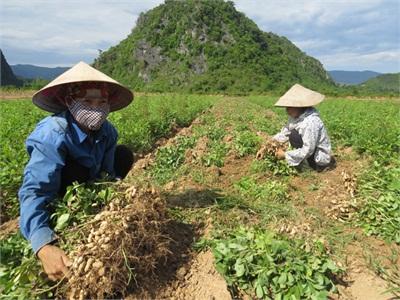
(51,97)
(299,96)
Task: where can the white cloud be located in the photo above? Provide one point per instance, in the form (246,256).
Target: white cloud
(340,33)
(359,34)
(371,61)
(74,29)
(290,12)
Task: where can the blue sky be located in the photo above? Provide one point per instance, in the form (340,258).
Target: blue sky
(342,34)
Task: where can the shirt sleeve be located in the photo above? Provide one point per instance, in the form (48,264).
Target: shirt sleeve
(283,135)
(310,137)
(108,160)
(40,186)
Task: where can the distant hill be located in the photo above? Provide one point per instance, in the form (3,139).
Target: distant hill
(383,83)
(7,76)
(34,72)
(352,77)
(207,46)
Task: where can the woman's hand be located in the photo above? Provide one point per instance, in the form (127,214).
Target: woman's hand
(55,262)
(280,154)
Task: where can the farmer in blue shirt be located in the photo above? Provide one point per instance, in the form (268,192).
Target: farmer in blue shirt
(77,143)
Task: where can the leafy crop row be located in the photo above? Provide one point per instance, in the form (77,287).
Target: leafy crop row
(147,119)
(271,267)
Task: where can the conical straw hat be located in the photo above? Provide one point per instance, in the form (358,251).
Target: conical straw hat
(51,97)
(299,96)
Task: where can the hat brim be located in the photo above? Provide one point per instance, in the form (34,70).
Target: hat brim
(299,96)
(296,103)
(51,98)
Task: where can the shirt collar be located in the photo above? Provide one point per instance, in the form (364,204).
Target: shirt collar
(309,111)
(80,134)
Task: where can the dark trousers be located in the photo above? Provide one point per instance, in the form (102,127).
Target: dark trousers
(296,142)
(73,171)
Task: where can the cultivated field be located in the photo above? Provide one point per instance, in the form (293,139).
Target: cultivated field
(200,216)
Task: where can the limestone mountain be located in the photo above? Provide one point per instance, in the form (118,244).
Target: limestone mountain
(7,76)
(207,46)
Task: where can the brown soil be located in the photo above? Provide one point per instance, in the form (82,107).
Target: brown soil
(184,273)
(178,272)
(8,228)
(360,282)
(328,193)
(16,94)
(329,186)
(199,281)
(365,285)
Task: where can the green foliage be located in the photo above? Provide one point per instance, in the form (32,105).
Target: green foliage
(370,127)
(34,84)
(149,118)
(207,46)
(16,121)
(214,132)
(380,211)
(253,260)
(169,159)
(268,200)
(246,142)
(215,155)
(383,83)
(272,164)
(139,125)
(19,270)
(270,267)
(267,191)
(80,202)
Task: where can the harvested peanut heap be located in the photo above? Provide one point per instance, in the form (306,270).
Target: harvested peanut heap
(350,183)
(295,230)
(123,244)
(343,209)
(269,147)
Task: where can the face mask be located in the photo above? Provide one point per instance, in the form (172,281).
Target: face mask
(88,117)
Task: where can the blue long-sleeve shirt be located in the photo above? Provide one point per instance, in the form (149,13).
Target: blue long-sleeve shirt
(54,139)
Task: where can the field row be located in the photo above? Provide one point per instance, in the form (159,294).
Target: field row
(269,231)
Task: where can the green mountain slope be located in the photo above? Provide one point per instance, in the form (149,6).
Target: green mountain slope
(207,46)
(383,83)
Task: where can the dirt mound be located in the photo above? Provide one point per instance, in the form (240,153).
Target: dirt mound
(124,243)
(197,281)
(365,285)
